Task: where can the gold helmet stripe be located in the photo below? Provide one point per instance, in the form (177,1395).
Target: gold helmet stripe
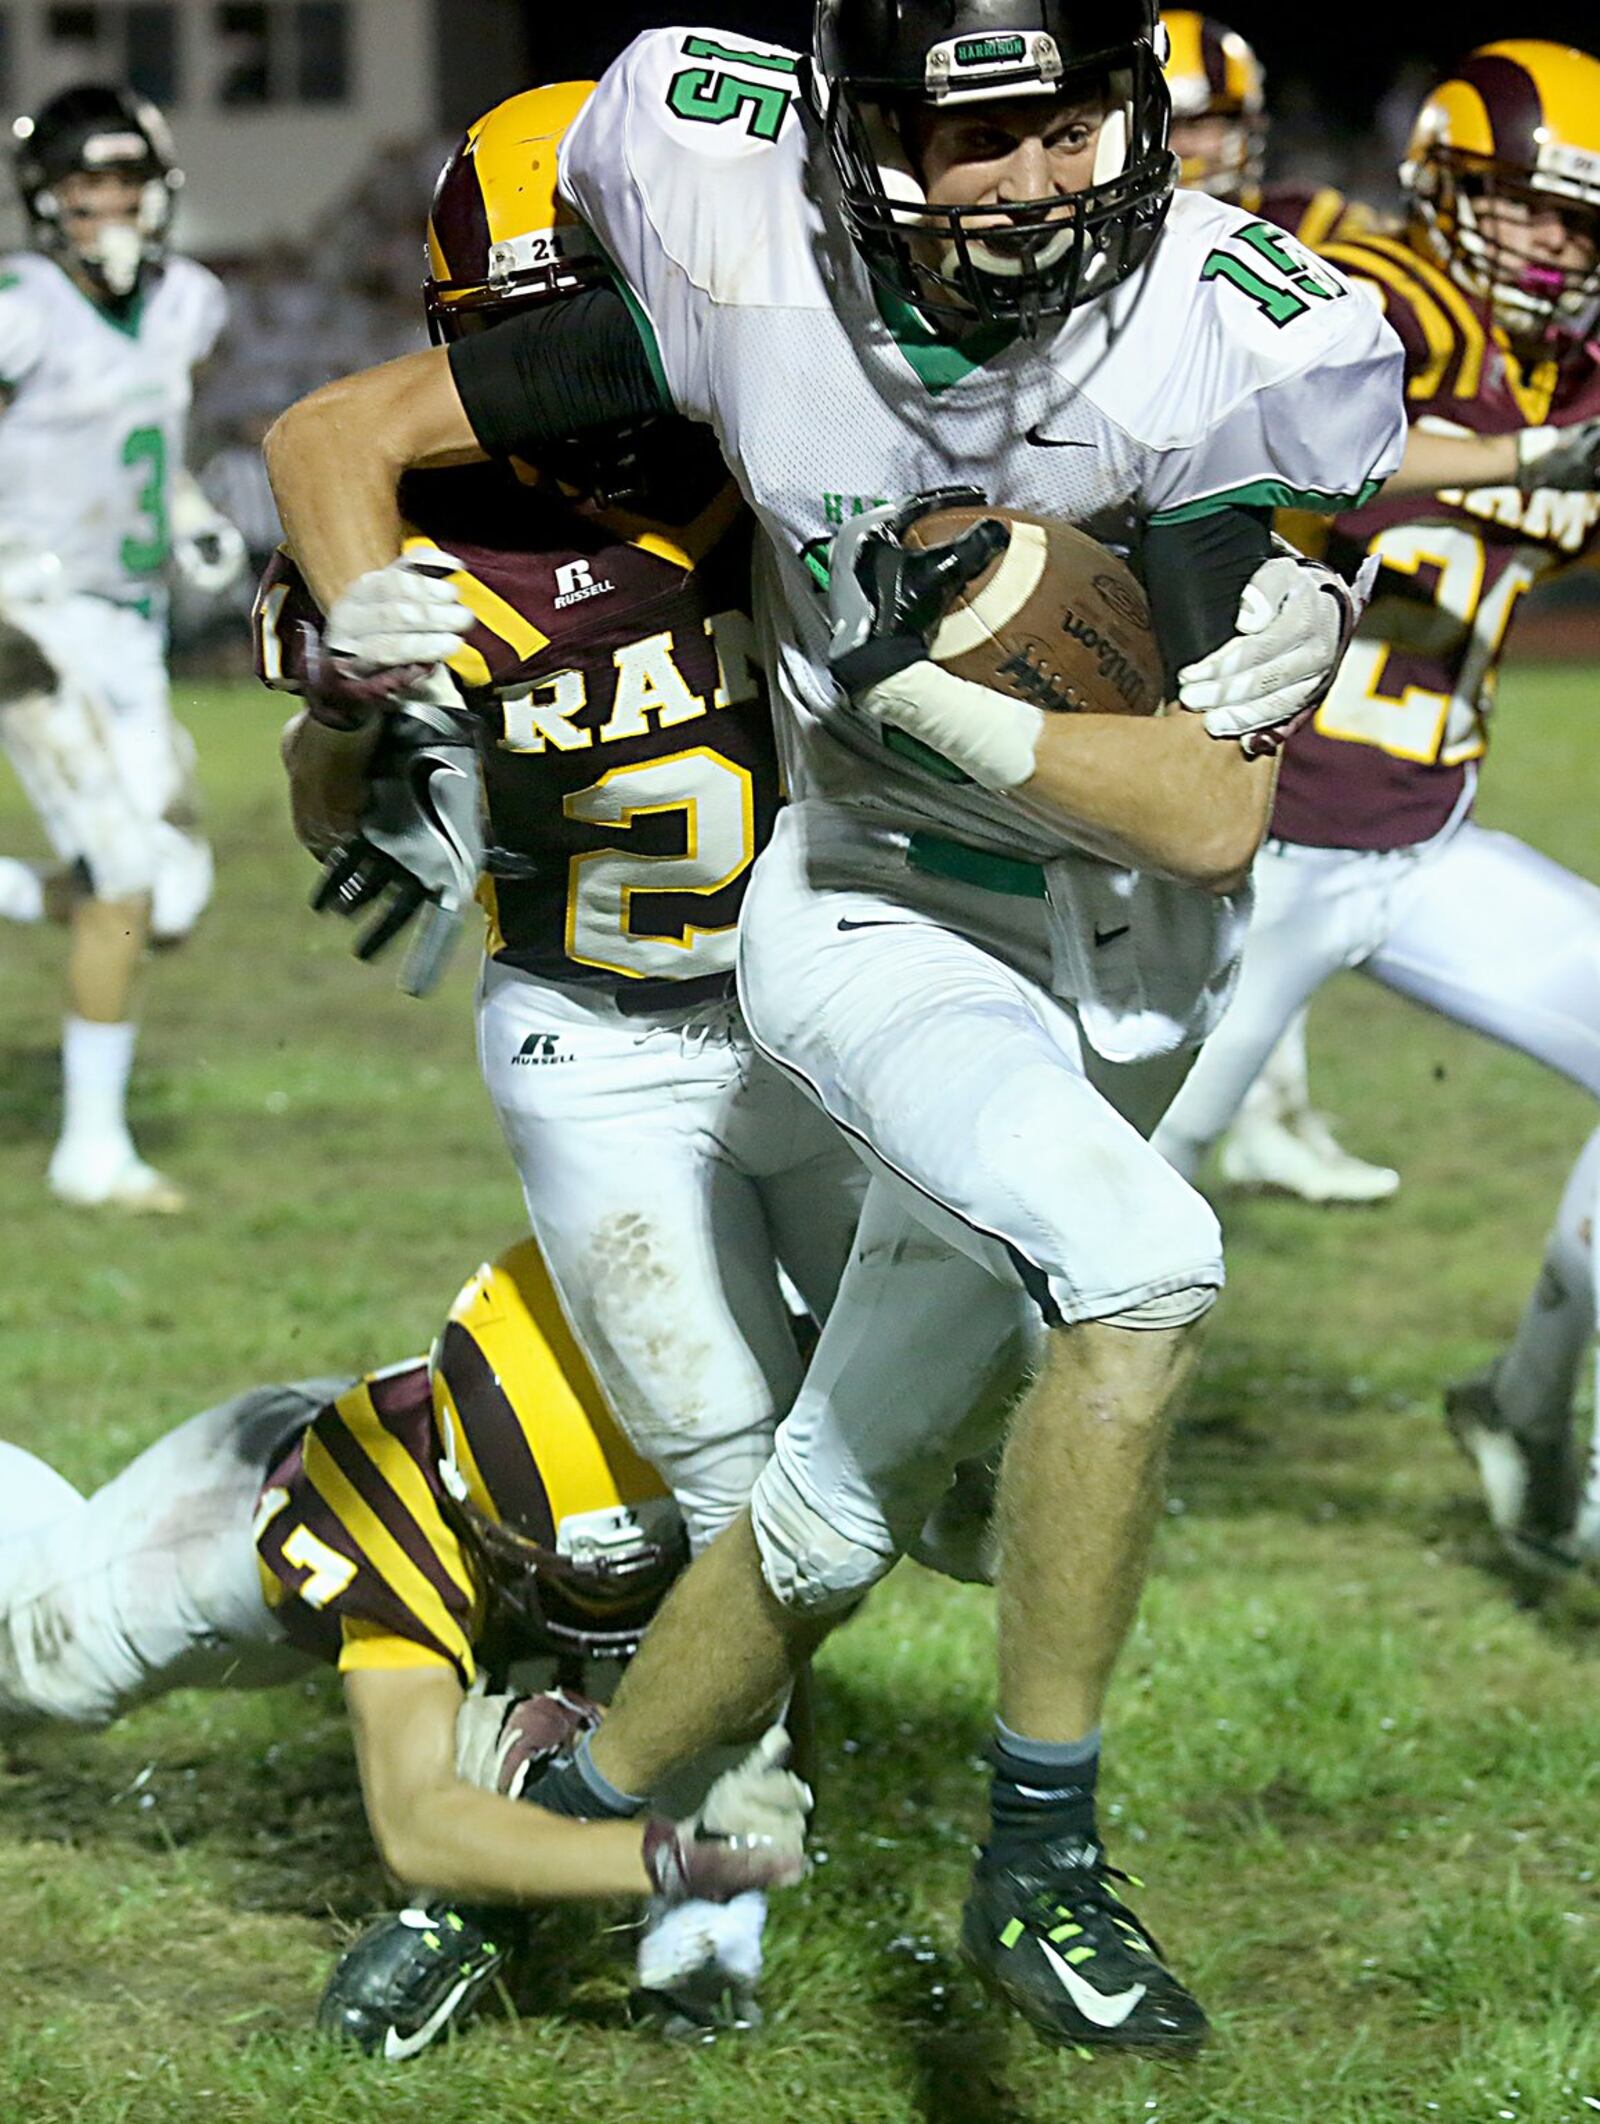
(511,1313)
(1567,84)
(1360,261)
(1474,343)
(1455,116)
(388,1559)
(1185,31)
(515,149)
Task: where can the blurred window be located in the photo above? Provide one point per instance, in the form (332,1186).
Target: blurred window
(153,53)
(322,57)
(283,51)
(74,25)
(136,43)
(244,27)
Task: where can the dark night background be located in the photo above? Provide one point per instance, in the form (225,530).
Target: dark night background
(1329,66)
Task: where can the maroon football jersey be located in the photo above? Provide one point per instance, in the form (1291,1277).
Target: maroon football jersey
(359,1560)
(1386,759)
(625,735)
(1315,213)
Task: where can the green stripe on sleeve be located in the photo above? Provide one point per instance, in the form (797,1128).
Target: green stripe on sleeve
(1269,494)
(652,346)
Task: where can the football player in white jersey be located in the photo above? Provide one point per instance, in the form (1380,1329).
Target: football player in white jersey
(100,332)
(947,249)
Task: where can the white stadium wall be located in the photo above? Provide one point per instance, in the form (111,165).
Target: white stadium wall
(264,158)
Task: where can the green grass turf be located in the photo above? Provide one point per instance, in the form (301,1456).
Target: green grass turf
(1359,1777)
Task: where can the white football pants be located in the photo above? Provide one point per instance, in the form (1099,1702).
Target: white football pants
(103,760)
(1475,925)
(967,1084)
(151,1584)
(669,1171)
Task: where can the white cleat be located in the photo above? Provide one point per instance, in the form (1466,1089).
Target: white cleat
(1300,1156)
(1529,1484)
(121,1181)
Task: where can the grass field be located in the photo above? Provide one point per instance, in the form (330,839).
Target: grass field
(1359,1778)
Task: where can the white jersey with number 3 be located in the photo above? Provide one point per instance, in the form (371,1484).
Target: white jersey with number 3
(1232,367)
(93,430)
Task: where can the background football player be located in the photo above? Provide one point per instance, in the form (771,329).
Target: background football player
(100,332)
(1004,200)
(425,1530)
(1374,860)
(1220,129)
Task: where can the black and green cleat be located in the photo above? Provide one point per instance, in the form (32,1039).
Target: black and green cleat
(1048,1933)
(411,1978)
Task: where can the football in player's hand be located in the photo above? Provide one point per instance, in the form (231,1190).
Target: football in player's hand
(1055,620)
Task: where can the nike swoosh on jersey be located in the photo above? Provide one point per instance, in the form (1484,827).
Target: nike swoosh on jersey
(1056,442)
(846,923)
(1105,2011)
(1110,936)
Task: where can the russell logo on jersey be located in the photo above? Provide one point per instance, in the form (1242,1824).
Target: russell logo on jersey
(575,584)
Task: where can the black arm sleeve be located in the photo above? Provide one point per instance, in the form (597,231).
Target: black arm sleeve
(555,371)
(1194,574)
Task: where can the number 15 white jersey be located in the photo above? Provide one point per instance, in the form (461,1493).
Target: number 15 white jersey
(93,433)
(1231,368)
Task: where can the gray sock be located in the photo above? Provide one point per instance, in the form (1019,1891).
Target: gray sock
(1048,1755)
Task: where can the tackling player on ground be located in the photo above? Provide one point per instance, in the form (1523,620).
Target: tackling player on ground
(100,332)
(1374,860)
(955,253)
(426,1530)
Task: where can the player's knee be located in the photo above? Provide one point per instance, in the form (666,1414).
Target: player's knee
(182,877)
(120,856)
(810,1566)
(1170,1309)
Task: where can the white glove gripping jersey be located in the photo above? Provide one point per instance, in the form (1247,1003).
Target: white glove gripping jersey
(1231,368)
(94,431)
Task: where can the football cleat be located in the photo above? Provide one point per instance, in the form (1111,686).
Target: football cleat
(116,1180)
(1300,1155)
(1531,1485)
(1048,1933)
(412,1978)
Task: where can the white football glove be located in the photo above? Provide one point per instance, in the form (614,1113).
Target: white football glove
(749,1832)
(1567,459)
(503,1739)
(405,613)
(1295,617)
(207,551)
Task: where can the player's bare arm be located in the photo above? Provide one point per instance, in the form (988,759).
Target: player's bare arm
(437,1833)
(336,459)
(1155,795)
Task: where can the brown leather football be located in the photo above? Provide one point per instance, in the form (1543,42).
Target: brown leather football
(1056,619)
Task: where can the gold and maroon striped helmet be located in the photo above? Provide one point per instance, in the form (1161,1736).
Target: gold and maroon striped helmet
(499,235)
(1213,73)
(1510,136)
(578,1536)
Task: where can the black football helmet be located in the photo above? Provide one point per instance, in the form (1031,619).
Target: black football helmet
(875,61)
(94,127)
